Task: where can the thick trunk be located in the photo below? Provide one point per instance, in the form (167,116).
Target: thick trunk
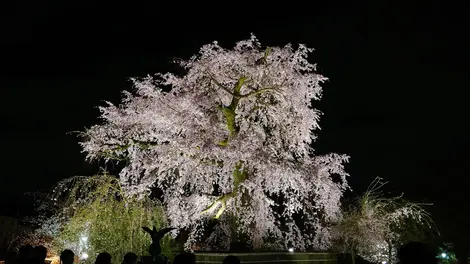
(239,175)
(353,256)
(390,248)
(229,112)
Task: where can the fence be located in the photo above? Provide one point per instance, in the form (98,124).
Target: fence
(270,258)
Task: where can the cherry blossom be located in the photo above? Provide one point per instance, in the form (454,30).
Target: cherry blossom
(230,136)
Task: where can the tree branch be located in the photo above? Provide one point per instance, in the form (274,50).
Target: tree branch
(239,176)
(222,200)
(259,91)
(220,85)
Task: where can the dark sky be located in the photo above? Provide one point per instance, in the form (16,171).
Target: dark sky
(396,100)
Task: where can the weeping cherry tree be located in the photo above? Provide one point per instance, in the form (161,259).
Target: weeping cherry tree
(375,226)
(230,137)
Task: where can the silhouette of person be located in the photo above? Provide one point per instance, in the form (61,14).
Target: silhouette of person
(26,254)
(103,258)
(67,256)
(185,258)
(417,253)
(231,260)
(40,254)
(130,258)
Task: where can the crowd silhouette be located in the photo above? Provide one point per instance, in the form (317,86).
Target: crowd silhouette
(411,253)
(37,255)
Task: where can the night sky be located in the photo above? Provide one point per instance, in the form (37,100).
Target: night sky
(396,100)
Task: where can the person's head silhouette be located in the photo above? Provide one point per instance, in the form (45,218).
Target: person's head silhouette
(40,254)
(130,258)
(103,258)
(417,253)
(26,252)
(67,256)
(231,260)
(185,258)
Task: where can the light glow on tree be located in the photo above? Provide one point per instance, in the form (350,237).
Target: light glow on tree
(233,137)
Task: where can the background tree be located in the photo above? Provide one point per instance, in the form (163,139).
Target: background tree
(90,215)
(41,227)
(375,226)
(232,134)
(101,218)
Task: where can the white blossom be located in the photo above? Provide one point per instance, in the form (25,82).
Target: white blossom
(241,120)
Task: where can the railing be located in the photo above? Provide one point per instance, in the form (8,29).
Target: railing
(270,257)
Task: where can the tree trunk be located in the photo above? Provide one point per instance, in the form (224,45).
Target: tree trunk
(353,256)
(389,260)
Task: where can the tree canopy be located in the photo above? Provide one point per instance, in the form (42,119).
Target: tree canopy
(232,134)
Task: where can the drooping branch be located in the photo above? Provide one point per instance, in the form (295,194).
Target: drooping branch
(110,150)
(139,143)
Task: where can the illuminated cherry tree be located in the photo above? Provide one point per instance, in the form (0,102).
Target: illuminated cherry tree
(232,136)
